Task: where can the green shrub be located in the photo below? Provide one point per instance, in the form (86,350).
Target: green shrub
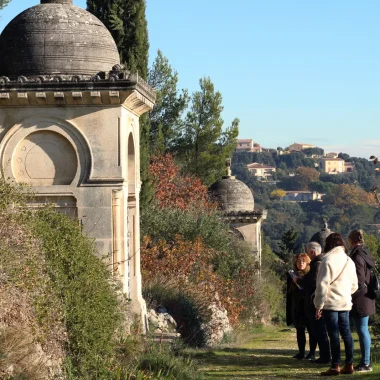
(188,308)
(45,258)
(166,223)
(87,291)
(160,361)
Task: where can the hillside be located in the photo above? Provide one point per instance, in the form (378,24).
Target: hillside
(347,200)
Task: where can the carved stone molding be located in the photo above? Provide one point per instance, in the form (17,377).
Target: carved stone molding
(114,87)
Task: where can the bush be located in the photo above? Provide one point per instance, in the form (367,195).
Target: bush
(56,292)
(161,362)
(88,293)
(165,223)
(185,304)
(144,359)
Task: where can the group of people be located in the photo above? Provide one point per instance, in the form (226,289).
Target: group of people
(323,291)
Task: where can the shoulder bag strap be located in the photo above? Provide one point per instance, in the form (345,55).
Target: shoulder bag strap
(341,271)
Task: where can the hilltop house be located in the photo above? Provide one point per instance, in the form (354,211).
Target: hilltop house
(248,145)
(261,171)
(299,147)
(336,165)
(301,196)
(331,155)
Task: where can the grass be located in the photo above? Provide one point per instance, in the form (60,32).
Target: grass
(268,355)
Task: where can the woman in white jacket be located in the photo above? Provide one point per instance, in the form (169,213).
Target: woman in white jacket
(336,282)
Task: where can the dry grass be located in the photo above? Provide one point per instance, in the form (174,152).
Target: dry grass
(32,333)
(19,356)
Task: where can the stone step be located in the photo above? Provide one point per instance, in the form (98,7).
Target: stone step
(163,337)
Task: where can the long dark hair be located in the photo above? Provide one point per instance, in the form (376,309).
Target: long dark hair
(335,240)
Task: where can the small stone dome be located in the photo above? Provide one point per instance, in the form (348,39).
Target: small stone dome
(55,38)
(232,195)
(320,237)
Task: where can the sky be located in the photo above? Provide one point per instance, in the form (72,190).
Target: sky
(291,70)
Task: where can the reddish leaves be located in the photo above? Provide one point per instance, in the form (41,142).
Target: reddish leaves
(174,190)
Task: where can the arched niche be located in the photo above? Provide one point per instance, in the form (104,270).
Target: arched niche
(44,158)
(46,151)
(131,164)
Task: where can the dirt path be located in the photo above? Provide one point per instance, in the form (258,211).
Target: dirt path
(267,355)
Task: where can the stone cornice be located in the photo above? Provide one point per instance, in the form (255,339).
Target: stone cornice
(112,82)
(245,217)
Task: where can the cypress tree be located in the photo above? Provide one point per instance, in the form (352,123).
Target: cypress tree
(126,21)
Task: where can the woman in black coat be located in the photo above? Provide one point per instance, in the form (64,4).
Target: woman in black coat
(363,305)
(295,309)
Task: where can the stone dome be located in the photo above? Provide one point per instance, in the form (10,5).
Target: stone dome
(320,237)
(55,38)
(232,195)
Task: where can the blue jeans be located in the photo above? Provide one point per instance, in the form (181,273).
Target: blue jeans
(361,326)
(339,322)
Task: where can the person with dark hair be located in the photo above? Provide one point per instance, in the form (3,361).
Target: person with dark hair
(336,281)
(295,311)
(363,306)
(318,326)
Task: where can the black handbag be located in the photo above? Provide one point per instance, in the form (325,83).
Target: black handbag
(374,285)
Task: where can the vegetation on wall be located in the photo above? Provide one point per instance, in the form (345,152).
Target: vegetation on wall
(186,237)
(68,284)
(59,296)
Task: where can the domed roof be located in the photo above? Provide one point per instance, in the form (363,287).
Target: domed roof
(320,237)
(232,195)
(56,37)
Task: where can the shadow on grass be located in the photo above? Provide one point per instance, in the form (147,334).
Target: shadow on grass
(262,364)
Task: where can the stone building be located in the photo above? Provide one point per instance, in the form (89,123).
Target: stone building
(236,202)
(299,146)
(302,196)
(261,171)
(69,126)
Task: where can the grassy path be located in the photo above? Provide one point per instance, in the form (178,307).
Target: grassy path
(267,355)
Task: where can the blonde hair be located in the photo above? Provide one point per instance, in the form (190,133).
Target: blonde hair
(304,256)
(356,236)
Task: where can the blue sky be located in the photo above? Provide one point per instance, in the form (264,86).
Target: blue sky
(290,70)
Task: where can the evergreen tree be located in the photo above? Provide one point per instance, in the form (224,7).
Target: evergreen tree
(166,117)
(4,3)
(127,23)
(204,146)
(288,244)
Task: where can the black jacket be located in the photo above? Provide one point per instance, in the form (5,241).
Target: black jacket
(310,284)
(362,304)
(295,304)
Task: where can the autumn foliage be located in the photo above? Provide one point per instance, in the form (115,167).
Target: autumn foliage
(345,196)
(191,261)
(175,190)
